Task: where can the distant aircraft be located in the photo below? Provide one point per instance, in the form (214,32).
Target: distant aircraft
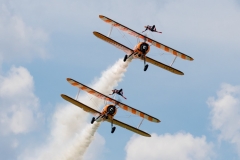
(119,92)
(142,48)
(109,111)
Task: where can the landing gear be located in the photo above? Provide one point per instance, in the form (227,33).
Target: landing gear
(93,120)
(146,67)
(113,129)
(125,58)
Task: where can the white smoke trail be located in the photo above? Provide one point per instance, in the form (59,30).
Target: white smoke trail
(105,84)
(68,120)
(81,142)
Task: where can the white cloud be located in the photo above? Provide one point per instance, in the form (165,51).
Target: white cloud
(178,146)
(17,39)
(225,114)
(19,106)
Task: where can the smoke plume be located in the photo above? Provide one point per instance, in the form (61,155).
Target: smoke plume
(71,134)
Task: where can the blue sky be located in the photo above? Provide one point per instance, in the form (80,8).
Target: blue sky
(42,43)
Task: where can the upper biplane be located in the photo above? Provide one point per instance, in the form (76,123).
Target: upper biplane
(142,48)
(109,110)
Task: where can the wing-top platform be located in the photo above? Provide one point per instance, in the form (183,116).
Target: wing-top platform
(93,111)
(130,51)
(104,97)
(138,35)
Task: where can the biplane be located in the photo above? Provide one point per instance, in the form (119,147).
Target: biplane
(110,110)
(142,48)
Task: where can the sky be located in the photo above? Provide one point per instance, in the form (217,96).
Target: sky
(44,42)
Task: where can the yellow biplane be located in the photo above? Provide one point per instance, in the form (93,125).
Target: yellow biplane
(142,48)
(109,110)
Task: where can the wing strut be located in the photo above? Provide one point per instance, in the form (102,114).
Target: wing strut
(140,123)
(78,94)
(110,32)
(173,61)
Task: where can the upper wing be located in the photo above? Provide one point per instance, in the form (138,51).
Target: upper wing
(136,34)
(79,104)
(121,105)
(128,127)
(115,43)
(163,66)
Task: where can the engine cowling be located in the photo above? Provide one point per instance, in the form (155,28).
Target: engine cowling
(143,47)
(110,109)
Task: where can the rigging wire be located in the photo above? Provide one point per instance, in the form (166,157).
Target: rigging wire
(123,35)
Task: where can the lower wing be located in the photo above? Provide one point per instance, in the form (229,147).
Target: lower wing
(81,105)
(163,66)
(130,128)
(114,43)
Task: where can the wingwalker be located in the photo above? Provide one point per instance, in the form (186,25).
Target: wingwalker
(110,110)
(142,48)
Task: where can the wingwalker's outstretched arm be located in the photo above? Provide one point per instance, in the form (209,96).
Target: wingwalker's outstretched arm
(147,28)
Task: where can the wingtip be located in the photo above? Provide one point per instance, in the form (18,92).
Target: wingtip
(101,16)
(95,33)
(68,79)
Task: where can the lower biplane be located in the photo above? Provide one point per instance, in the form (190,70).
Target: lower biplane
(142,48)
(110,110)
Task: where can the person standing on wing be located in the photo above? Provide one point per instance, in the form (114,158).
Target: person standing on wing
(119,92)
(151,28)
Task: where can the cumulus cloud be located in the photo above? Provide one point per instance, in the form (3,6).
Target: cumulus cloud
(178,146)
(19,106)
(225,114)
(17,39)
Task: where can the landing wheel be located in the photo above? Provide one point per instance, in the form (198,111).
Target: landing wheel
(93,120)
(146,67)
(125,58)
(113,129)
